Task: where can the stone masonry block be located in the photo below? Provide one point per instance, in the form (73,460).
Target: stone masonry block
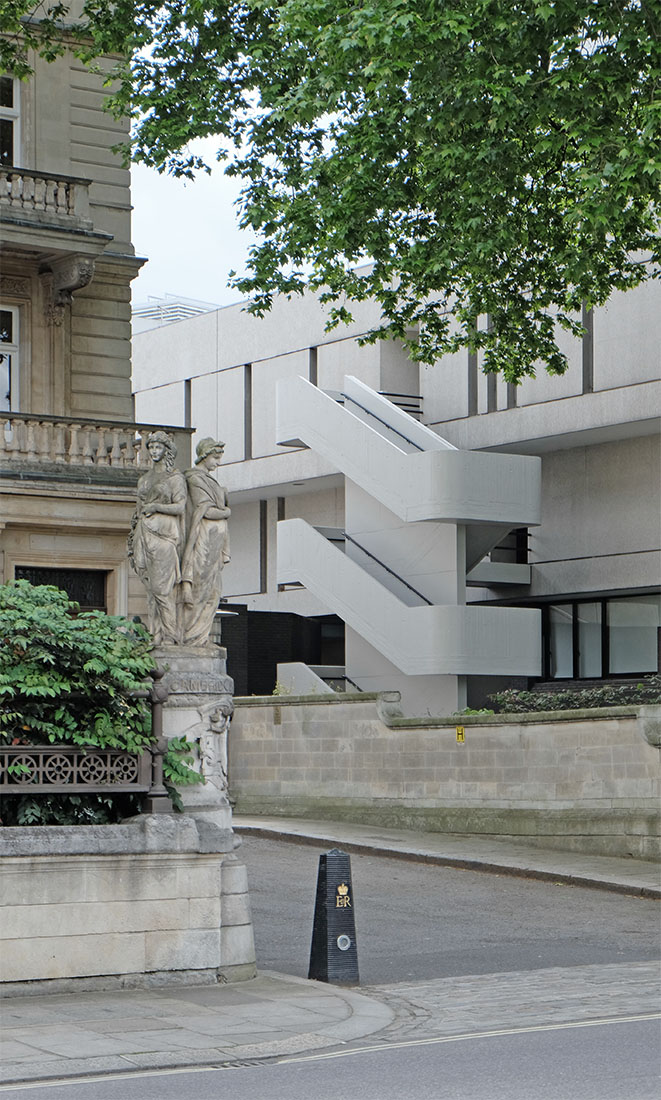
(237,945)
(73,957)
(234,877)
(204,912)
(236,910)
(192,949)
(100,918)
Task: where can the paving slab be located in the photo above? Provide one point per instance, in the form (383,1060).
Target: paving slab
(479,853)
(272,1015)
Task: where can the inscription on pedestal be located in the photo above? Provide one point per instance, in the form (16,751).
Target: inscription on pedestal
(199,685)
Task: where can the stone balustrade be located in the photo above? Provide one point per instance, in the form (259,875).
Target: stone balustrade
(43,194)
(50,441)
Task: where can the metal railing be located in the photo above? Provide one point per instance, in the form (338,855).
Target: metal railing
(407,402)
(387,569)
(77,769)
(342,399)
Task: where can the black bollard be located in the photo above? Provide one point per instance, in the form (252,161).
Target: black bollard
(334,953)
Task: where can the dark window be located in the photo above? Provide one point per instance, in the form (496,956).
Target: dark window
(6,91)
(8,359)
(9,120)
(6,141)
(6,326)
(86,586)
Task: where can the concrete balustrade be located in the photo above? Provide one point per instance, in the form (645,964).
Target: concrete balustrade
(54,441)
(25,192)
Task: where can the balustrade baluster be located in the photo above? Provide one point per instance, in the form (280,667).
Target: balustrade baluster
(74,445)
(5,436)
(59,453)
(28,192)
(51,186)
(61,197)
(18,433)
(45,441)
(31,441)
(87,447)
(143,454)
(101,448)
(116,456)
(5,186)
(16,188)
(40,194)
(133,450)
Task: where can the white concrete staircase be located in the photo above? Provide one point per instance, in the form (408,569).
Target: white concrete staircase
(429,513)
(412,471)
(420,641)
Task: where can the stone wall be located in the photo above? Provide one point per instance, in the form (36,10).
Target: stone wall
(582,780)
(160,898)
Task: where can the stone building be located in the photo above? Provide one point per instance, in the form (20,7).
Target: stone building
(581,567)
(70,449)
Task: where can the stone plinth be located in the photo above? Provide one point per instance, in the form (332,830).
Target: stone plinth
(199,708)
(157,899)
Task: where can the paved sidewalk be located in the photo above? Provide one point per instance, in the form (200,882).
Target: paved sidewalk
(58,1036)
(626,876)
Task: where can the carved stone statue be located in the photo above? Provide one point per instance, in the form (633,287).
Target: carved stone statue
(207,543)
(157,535)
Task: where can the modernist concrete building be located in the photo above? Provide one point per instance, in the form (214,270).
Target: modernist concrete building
(70,449)
(519,543)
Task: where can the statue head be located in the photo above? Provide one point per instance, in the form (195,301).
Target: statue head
(169,448)
(208,447)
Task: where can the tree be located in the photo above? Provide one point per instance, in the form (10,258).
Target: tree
(452,159)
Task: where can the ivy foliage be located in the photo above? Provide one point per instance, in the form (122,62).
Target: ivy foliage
(648,691)
(67,677)
(483,158)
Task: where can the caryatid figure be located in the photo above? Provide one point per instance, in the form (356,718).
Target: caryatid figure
(157,536)
(207,544)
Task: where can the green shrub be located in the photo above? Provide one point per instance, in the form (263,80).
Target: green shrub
(66,678)
(609,695)
(471,710)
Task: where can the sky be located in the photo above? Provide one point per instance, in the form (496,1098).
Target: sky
(189,232)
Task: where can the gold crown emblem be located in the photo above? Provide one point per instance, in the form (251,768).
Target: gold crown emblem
(343,889)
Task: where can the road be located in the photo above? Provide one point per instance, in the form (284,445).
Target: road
(601,1061)
(416,921)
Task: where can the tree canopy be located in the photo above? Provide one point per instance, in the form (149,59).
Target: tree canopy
(452,159)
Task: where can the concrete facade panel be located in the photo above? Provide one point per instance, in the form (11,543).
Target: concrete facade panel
(265,377)
(627,338)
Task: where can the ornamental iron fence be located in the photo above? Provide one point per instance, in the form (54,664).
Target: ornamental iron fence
(76,769)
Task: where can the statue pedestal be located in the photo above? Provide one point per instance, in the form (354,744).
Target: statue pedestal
(199,708)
